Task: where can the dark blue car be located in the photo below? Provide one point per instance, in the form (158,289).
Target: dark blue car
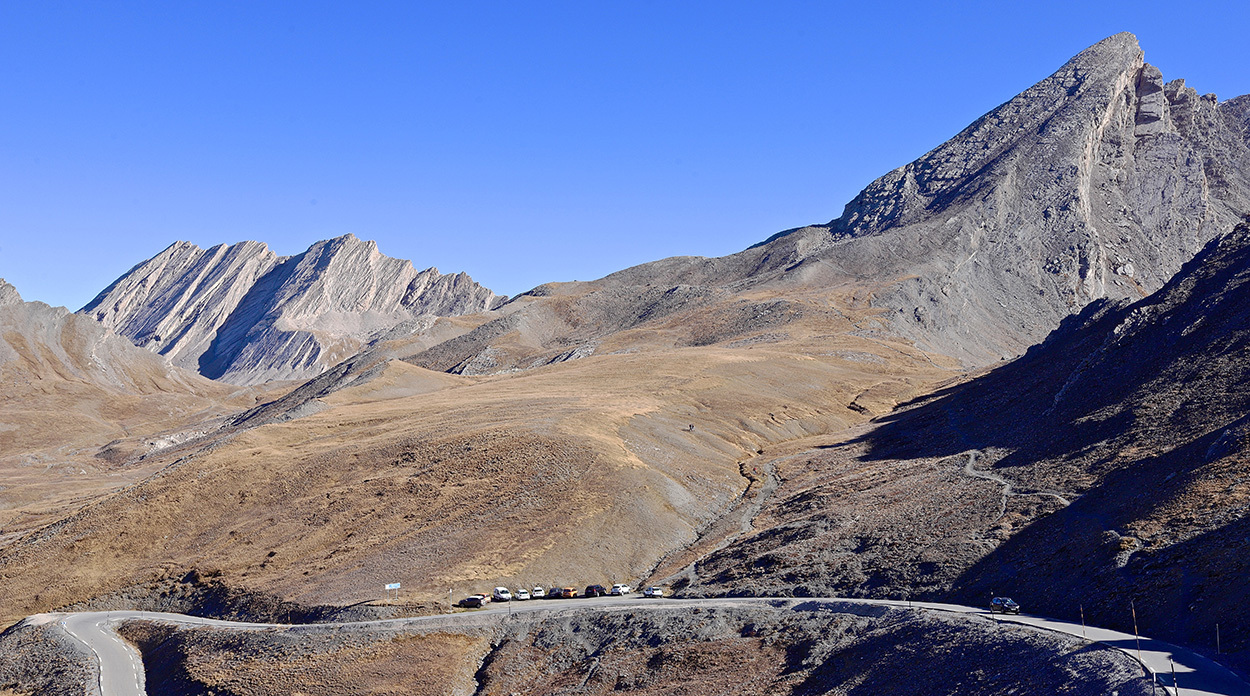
(1004,605)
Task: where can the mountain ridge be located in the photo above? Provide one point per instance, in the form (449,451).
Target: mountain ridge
(243,314)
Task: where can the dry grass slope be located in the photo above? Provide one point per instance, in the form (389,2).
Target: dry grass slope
(583,470)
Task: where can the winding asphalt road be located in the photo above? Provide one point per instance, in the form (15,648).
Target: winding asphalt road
(121,667)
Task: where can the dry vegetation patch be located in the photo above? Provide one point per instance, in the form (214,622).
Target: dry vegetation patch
(307,663)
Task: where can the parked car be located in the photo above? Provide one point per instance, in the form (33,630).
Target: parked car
(501,594)
(521,595)
(654,591)
(619,589)
(538,592)
(595,591)
(554,593)
(473,601)
(568,592)
(1004,605)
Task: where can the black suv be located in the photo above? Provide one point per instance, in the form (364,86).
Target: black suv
(1004,605)
(595,591)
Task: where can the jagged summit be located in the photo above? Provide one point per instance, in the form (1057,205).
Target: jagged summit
(8,293)
(990,145)
(1097,182)
(243,314)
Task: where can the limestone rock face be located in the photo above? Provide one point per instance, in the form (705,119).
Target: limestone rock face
(1099,181)
(245,315)
(8,294)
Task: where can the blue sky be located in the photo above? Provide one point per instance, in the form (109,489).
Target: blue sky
(520,142)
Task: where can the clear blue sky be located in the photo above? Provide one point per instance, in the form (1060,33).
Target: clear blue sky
(520,142)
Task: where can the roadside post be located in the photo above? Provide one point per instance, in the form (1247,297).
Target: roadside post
(450,606)
(1176,688)
(1217,639)
(1083,622)
(1137,637)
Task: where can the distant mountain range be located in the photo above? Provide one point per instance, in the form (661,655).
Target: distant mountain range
(244,315)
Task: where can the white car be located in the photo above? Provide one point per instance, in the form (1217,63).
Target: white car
(619,589)
(653,592)
(521,594)
(538,592)
(501,594)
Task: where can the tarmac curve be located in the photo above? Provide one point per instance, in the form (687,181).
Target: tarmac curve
(120,667)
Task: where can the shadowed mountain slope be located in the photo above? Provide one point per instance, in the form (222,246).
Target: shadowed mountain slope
(244,315)
(1110,463)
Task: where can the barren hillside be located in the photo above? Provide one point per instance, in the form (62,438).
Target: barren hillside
(585,470)
(699,421)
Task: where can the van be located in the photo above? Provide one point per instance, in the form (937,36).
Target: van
(501,594)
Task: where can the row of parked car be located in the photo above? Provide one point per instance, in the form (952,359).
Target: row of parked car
(503,594)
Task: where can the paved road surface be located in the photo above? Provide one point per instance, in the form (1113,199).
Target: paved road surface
(121,670)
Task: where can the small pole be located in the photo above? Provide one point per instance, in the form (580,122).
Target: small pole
(1137,636)
(1217,639)
(450,606)
(1083,622)
(1175,687)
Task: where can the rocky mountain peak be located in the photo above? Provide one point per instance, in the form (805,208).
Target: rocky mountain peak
(243,314)
(1099,181)
(1087,83)
(8,294)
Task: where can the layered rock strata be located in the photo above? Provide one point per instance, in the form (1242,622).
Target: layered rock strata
(245,315)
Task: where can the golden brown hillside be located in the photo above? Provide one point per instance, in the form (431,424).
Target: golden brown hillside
(584,470)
